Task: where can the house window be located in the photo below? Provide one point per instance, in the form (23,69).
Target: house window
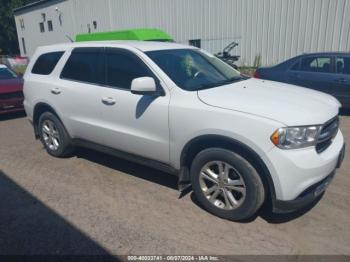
(195,42)
(49,25)
(21,22)
(24,46)
(42,27)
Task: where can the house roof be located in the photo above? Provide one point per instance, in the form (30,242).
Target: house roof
(31,5)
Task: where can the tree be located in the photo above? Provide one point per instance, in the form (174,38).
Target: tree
(8,34)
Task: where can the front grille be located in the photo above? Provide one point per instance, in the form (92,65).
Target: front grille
(327,134)
(11,95)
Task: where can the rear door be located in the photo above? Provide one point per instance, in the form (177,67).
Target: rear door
(79,93)
(342,80)
(137,124)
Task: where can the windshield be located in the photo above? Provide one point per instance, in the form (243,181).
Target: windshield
(193,69)
(6,73)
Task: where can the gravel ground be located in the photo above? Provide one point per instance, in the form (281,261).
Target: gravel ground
(92,203)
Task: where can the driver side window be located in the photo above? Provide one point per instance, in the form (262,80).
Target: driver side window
(122,68)
(316,64)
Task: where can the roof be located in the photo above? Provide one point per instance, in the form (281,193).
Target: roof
(140,45)
(326,53)
(144,34)
(28,6)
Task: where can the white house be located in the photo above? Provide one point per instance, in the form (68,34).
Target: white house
(272,29)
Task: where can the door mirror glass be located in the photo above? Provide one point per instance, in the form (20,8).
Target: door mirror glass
(143,86)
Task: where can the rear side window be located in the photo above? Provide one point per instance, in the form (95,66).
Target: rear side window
(122,68)
(316,64)
(85,65)
(46,63)
(343,65)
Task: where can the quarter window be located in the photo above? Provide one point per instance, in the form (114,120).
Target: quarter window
(316,64)
(122,68)
(46,63)
(85,65)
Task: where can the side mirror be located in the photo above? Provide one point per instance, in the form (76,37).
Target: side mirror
(143,86)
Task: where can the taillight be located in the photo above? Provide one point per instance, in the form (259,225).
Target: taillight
(257,74)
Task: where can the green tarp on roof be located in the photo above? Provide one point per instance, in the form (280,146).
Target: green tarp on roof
(142,34)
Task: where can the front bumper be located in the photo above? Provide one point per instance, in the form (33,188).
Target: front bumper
(310,194)
(294,171)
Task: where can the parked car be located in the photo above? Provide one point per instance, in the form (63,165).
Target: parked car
(177,108)
(325,72)
(11,91)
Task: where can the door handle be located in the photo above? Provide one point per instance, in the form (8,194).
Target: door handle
(55,91)
(340,80)
(108,101)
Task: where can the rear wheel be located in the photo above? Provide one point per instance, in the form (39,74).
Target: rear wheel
(53,135)
(226,184)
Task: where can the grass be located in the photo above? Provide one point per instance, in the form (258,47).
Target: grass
(247,70)
(20,69)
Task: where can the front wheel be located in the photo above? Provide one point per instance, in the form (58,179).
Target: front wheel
(226,184)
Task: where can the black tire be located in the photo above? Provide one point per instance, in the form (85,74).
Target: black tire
(65,148)
(254,188)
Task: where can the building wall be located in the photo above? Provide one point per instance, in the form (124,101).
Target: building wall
(273,29)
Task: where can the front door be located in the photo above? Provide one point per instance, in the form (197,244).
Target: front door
(137,124)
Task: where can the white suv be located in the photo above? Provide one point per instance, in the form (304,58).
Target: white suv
(237,141)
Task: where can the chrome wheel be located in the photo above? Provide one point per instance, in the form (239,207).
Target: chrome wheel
(51,135)
(222,185)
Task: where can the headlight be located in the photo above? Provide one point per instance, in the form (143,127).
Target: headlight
(295,137)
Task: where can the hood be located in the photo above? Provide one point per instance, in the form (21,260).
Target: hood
(11,85)
(288,104)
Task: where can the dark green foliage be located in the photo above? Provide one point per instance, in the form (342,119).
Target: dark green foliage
(8,34)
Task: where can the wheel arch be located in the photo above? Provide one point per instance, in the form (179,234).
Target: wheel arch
(194,146)
(39,109)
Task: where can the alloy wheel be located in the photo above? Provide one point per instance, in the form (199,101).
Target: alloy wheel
(222,185)
(51,135)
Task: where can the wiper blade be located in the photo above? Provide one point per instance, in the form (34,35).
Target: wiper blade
(201,87)
(234,79)
(221,83)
